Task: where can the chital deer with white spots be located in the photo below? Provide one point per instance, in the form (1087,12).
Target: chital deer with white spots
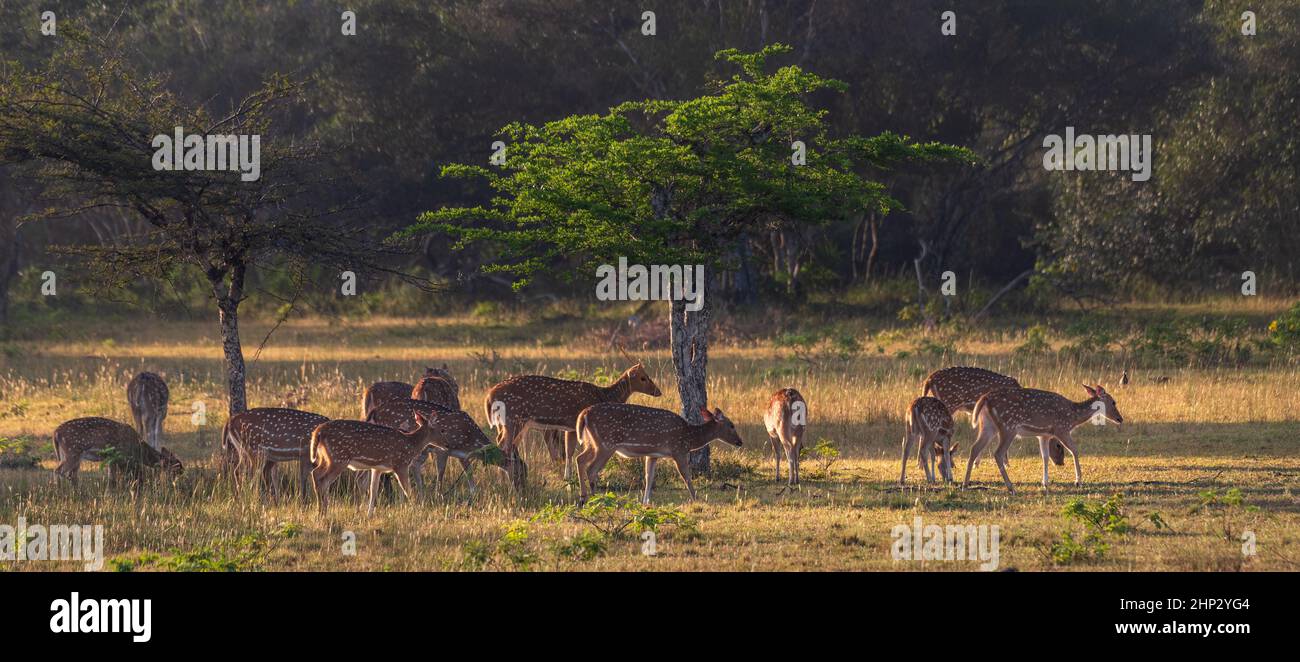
(545,403)
(340,445)
(456,435)
(786,420)
(380,392)
(633,431)
(269,435)
(960,387)
(437,390)
(929,430)
(1019,412)
(88,437)
(147,394)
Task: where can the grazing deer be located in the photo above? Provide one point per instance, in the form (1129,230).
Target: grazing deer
(456,435)
(88,437)
(960,387)
(786,419)
(929,428)
(1015,412)
(633,431)
(147,395)
(360,446)
(545,403)
(437,390)
(271,435)
(380,392)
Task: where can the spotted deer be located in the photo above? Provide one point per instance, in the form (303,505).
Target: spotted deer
(456,435)
(786,419)
(929,430)
(437,390)
(546,403)
(269,435)
(1018,412)
(88,437)
(959,387)
(632,431)
(380,392)
(147,395)
(340,445)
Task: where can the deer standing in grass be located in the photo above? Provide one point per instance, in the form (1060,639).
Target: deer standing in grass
(380,392)
(88,437)
(545,403)
(340,445)
(147,395)
(929,429)
(960,387)
(457,436)
(633,431)
(270,435)
(786,419)
(1015,412)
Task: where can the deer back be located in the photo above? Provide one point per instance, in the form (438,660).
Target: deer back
(959,387)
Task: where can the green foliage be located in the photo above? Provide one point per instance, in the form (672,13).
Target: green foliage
(611,515)
(1035,342)
(825,452)
(18,453)
(819,347)
(1284,332)
(583,546)
(1102,521)
(246,553)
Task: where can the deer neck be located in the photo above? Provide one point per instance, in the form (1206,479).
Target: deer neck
(619,391)
(1082,412)
(702,435)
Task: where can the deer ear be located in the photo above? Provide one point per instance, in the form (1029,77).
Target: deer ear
(1091,391)
(717,413)
(420,420)
(706,414)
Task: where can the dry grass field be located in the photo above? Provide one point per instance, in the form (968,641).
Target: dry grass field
(1205,455)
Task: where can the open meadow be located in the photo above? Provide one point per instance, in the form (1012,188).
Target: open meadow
(1205,462)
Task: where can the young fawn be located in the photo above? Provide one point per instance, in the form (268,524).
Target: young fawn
(456,434)
(88,437)
(147,396)
(1019,412)
(360,446)
(269,435)
(786,419)
(545,403)
(632,431)
(929,428)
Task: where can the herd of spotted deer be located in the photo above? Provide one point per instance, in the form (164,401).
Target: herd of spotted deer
(404,424)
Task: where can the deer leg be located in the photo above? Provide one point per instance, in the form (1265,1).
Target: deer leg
(469,478)
(776,455)
(570,452)
(374,491)
(268,479)
(792,461)
(404,484)
(925,456)
(1044,449)
(585,457)
(322,477)
(650,463)
(1000,456)
(598,462)
(684,470)
(1070,445)
(907,443)
(304,472)
(985,436)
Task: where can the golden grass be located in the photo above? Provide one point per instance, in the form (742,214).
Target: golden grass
(1202,430)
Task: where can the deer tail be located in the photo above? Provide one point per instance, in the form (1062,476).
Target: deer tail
(928,388)
(980,406)
(311,445)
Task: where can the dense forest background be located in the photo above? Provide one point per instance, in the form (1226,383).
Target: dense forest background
(425,84)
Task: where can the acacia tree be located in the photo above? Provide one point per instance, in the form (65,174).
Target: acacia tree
(676,182)
(86,120)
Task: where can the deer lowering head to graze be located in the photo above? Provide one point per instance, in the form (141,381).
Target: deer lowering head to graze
(545,403)
(380,392)
(610,429)
(1018,412)
(929,430)
(437,390)
(147,396)
(340,445)
(456,435)
(960,387)
(786,419)
(269,435)
(89,437)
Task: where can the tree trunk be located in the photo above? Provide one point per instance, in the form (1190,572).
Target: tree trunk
(875,246)
(228,307)
(690,342)
(8,267)
(746,281)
